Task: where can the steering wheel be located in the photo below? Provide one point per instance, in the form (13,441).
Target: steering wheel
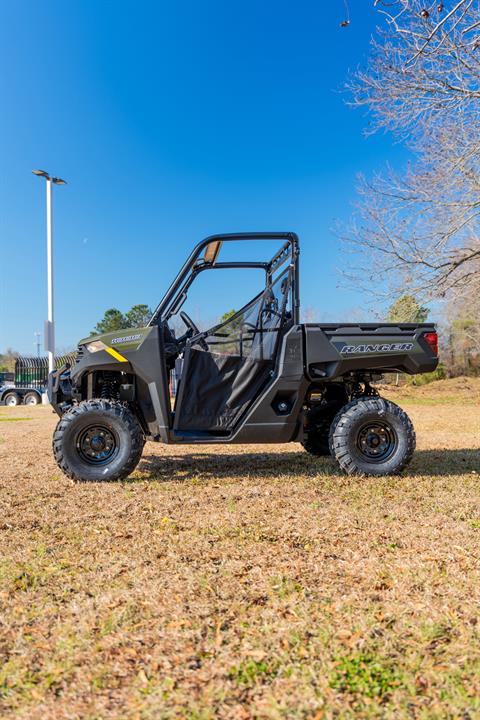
(191,326)
(189,322)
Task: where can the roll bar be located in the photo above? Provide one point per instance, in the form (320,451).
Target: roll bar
(192,267)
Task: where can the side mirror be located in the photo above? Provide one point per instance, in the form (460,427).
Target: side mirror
(211,252)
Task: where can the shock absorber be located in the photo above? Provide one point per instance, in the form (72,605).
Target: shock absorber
(108,391)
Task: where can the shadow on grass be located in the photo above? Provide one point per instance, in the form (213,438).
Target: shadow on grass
(445,462)
(208,465)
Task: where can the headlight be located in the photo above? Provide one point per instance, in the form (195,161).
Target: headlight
(95,346)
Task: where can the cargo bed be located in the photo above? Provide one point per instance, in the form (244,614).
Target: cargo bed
(334,349)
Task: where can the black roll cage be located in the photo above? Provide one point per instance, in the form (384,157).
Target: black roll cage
(177,292)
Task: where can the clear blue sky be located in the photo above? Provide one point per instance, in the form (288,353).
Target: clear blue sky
(170,122)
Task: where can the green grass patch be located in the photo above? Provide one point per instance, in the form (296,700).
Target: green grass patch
(364,675)
(249,672)
(13,419)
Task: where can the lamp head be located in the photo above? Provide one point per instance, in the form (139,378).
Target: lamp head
(58,181)
(41,173)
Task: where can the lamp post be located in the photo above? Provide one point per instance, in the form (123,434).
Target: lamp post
(50,324)
(37,342)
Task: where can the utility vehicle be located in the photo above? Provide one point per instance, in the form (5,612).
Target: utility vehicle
(261,376)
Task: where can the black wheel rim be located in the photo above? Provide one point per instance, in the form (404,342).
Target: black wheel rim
(376,441)
(97,445)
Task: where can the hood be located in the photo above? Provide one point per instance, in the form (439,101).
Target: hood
(129,339)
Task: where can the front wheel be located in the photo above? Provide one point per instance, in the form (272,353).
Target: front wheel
(372,436)
(98,440)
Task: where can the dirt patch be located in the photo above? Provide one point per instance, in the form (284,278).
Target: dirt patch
(241,582)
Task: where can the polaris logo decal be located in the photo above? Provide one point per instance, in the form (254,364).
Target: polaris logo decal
(384,348)
(125,339)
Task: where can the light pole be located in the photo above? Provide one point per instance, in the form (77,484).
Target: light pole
(50,324)
(37,342)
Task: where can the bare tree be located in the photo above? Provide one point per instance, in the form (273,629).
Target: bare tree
(420,230)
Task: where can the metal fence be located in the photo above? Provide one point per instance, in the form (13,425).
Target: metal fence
(33,371)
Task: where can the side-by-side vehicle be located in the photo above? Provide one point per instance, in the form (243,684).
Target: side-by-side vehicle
(261,376)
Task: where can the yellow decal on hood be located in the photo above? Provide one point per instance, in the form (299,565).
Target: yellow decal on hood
(116,355)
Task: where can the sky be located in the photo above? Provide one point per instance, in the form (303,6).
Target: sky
(172,122)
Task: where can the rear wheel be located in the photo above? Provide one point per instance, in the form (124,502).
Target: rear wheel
(372,436)
(31,398)
(98,440)
(11,399)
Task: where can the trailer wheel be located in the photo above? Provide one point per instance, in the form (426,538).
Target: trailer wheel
(98,440)
(372,436)
(12,399)
(31,398)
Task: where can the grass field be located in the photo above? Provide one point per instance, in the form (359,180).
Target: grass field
(244,582)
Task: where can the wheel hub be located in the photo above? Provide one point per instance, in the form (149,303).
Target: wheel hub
(96,445)
(376,441)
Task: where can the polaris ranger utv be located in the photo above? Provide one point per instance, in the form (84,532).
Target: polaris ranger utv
(259,377)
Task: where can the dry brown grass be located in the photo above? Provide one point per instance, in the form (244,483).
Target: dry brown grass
(243,582)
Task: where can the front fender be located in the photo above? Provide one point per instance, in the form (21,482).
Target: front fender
(60,389)
(138,353)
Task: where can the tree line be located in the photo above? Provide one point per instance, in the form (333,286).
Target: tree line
(114,319)
(458,348)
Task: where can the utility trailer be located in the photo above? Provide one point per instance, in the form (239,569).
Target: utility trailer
(261,376)
(29,381)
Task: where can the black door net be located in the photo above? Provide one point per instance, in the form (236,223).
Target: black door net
(225,371)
